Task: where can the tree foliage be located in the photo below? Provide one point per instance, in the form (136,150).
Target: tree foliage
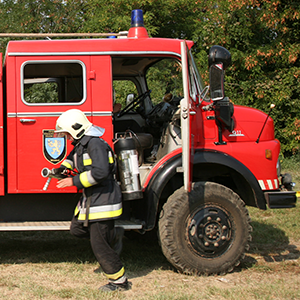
(41,93)
(41,15)
(263,37)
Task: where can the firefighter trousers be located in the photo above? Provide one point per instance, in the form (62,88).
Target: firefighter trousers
(101,234)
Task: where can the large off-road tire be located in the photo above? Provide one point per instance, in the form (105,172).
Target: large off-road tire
(205,231)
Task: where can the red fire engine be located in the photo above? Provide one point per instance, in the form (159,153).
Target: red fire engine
(188,164)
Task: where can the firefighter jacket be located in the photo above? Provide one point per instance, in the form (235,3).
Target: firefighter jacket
(101,198)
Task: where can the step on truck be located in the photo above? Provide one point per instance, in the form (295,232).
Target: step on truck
(189,161)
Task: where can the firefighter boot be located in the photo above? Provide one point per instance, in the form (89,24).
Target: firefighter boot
(117,242)
(112,287)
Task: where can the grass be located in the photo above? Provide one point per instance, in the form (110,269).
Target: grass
(55,265)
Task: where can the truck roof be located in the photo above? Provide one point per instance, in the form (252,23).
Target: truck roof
(102,46)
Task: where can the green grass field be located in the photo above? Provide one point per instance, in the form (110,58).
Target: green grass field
(55,265)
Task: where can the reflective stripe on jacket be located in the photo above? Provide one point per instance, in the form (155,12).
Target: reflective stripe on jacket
(93,160)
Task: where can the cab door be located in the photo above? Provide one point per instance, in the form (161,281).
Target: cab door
(45,87)
(1,132)
(190,110)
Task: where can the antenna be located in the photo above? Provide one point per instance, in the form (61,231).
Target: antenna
(271,107)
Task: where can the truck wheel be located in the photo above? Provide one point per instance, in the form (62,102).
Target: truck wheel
(205,231)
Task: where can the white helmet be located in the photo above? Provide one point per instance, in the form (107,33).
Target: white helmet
(74,122)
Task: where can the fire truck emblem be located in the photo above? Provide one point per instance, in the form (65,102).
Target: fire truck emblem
(54,148)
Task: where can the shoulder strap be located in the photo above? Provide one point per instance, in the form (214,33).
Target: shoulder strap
(111,158)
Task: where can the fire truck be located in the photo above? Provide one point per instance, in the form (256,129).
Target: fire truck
(189,161)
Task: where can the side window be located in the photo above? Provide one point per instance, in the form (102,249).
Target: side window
(53,82)
(163,78)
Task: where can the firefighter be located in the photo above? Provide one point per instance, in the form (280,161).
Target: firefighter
(100,203)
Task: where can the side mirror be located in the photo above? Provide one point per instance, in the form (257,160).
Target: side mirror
(218,54)
(219,58)
(216,81)
(129,99)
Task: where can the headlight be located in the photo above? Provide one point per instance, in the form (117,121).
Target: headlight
(278,167)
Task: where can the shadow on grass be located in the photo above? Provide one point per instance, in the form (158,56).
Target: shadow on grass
(43,246)
(139,255)
(269,243)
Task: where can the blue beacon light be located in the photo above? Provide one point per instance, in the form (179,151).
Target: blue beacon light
(137,18)
(137,29)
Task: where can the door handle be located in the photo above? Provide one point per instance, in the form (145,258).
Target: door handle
(27,121)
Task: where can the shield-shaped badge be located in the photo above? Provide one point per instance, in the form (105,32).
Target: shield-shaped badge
(54,148)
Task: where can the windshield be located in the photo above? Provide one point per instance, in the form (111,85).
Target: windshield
(165,77)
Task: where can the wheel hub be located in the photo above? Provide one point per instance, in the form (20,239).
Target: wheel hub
(209,231)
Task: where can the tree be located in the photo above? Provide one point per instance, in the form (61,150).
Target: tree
(263,37)
(174,19)
(41,16)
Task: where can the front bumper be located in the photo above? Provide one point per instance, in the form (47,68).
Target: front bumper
(281,199)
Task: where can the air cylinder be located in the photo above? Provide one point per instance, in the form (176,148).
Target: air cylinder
(128,168)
